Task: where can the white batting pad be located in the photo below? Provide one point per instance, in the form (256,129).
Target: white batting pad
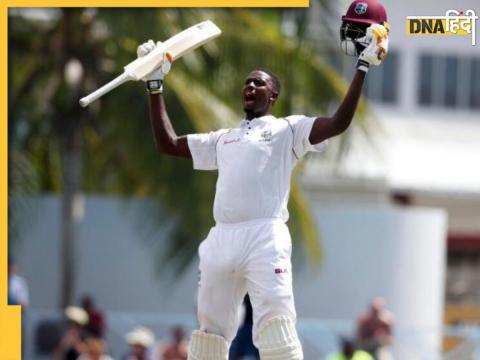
(278,340)
(205,346)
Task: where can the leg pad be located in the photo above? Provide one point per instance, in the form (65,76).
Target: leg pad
(205,346)
(278,340)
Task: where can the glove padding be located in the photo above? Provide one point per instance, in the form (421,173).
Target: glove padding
(377,49)
(159,73)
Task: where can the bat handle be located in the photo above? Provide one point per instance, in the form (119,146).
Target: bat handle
(119,80)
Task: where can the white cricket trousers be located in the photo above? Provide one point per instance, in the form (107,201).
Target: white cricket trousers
(251,257)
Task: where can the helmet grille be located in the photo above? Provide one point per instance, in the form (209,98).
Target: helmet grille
(352,36)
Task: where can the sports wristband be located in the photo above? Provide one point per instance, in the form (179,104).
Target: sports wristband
(363,65)
(155,86)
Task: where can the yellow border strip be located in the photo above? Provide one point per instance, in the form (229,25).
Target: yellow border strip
(162,3)
(10,317)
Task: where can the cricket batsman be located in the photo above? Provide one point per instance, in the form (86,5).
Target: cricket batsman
(249,248)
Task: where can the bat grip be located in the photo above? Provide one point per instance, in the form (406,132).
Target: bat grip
(119,80)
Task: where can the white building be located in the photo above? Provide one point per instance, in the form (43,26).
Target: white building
(426,98)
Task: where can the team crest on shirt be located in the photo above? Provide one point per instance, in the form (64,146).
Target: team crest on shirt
(266,135)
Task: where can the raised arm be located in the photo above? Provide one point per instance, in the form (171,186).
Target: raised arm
(166,139)
(327,127)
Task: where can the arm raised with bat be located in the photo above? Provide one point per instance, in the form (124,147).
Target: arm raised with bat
(326,127)
(166,139)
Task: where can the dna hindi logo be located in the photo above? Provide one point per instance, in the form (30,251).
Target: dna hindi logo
(453,23)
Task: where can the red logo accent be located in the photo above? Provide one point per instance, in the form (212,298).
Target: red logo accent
(226,142)
(281,271)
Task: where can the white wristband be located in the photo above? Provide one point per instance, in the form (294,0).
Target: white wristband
(155,86)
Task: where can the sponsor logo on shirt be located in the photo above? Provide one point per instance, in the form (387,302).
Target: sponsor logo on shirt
(281,271)
(226,142)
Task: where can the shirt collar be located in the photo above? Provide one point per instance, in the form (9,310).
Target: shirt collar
(262,120)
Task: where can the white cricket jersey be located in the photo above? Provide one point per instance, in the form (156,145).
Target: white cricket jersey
(254,163)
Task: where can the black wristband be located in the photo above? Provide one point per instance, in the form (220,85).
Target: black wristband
(155,86)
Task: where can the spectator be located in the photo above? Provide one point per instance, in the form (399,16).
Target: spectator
(350,352)
(177,350)
(94,350)
(18,292)
(96,320)
(242,346)
(140,339)
(17,286)
(72,343)
(48,334)
(374,330)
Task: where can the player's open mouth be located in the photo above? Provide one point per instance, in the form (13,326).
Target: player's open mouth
(248,98)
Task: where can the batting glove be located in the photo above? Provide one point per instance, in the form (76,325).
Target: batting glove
(154,80)
(377,49)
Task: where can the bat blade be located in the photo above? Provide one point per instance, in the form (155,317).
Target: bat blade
(178,45)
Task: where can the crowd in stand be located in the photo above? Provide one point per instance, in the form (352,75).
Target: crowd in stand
(373,337)
(81,336)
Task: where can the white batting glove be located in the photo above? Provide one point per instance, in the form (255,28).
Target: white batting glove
(377,49)
(154,79)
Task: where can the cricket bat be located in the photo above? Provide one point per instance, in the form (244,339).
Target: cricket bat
(178,45)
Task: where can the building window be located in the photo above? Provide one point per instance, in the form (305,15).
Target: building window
(425,80)
(381,84)
(474,98)
(390,78)
(448,81)
(451,82)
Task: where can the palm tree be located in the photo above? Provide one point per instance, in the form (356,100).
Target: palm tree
(108,149)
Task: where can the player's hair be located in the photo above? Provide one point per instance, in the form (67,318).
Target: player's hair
(275,80)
